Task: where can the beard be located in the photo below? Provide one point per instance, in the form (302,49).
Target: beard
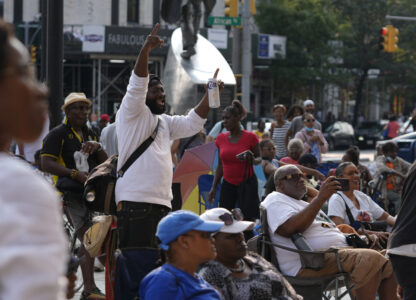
(154,107)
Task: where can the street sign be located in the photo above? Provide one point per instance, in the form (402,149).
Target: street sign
(226,21)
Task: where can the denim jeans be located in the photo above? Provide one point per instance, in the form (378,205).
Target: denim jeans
(136,224)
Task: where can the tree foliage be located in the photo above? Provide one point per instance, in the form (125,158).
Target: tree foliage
(310,25)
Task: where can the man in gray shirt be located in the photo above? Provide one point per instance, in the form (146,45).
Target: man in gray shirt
(297,122)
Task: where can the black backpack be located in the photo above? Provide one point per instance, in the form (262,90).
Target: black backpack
(99,192)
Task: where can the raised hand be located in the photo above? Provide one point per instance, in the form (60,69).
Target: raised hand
(153,40)
(329,187)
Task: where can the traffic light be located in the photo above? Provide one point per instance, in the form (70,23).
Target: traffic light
(253,7)
(231,8)
(33,53)
(389,38)
(393,39)
(384,39)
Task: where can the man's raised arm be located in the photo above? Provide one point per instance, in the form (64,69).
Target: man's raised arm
(142,62)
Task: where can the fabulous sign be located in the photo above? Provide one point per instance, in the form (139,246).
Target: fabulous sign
(129,40)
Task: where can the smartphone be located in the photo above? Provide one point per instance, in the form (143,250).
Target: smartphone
(242,155)
(344,183)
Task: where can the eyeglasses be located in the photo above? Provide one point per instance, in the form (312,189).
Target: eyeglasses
(271,148)
(294,177)
(309,120)
(228,218)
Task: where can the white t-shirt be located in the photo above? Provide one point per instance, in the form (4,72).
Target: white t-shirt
(336,206)
(149,178)
(33,247)
(109,139)
(320,235)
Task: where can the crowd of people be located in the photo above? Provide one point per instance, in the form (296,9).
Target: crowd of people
(180,255)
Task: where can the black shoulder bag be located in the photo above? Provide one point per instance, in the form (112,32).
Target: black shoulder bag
(99,191)
(248,197)
(373,226)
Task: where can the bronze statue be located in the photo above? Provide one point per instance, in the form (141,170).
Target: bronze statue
(189,13)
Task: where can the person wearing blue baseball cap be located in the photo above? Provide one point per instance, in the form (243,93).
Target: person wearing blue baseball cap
(185,243)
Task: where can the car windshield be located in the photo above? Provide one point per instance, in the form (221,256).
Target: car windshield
(369,125)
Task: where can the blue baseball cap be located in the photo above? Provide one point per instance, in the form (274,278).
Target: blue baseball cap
(180,222)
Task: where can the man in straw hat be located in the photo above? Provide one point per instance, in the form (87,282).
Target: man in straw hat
(60,146)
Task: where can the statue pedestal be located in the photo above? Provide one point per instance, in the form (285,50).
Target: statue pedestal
(184,79)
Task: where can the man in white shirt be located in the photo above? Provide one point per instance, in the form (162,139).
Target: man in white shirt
(287,214)
(143,193)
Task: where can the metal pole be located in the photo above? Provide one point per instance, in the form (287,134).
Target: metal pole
(44,18)
(94,80)
(55,54)
(246,56)
(99,89)
(26,27)
(400,18)
(236,58)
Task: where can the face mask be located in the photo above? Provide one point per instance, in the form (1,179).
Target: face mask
(308,129)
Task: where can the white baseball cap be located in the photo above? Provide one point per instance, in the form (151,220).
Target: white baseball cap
(231,224)
(308,102)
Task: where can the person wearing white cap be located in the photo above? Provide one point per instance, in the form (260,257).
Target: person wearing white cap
(236,273)
(297,122)
(185,242)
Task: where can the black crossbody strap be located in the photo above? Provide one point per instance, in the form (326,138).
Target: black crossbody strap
(139,151)
(347,209)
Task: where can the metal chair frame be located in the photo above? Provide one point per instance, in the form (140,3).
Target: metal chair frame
(311,288)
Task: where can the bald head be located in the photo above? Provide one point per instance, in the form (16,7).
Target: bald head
(284,171)
(292,186)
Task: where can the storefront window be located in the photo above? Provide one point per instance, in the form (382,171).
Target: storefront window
(133,11)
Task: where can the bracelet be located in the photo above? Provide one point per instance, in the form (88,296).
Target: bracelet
(74,173)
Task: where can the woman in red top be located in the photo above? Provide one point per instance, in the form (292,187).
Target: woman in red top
(393,127)
(233,169)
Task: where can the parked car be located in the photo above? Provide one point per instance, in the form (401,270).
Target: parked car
(406,144)
(367,133)
(339,134)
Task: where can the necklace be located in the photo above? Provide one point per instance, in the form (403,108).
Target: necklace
(241,266)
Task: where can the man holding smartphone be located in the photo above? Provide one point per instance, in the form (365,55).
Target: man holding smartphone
(287,215)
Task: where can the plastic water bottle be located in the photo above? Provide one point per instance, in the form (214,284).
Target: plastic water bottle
(300,242)
(213,93)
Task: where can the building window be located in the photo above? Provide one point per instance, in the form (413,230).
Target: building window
(133,11)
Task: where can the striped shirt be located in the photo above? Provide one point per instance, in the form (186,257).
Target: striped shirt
(278,138)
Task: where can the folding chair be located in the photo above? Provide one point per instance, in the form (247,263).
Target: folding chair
(315,288)
(204,186)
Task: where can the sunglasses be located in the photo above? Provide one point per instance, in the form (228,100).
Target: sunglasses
(228,218)
(309,120)
(295,177)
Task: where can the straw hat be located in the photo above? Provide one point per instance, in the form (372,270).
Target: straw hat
(73,98)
